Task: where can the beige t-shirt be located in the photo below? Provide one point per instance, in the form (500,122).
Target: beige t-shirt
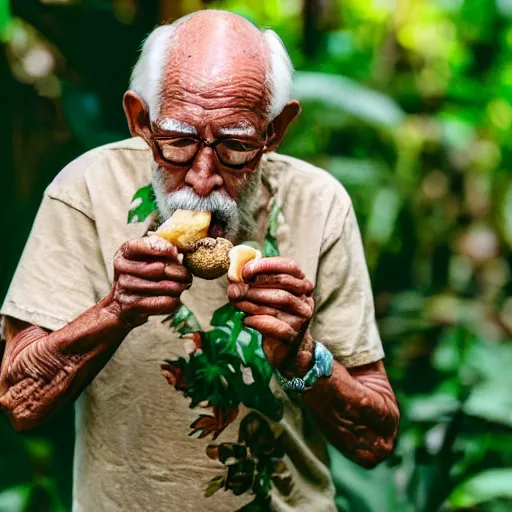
(133,451)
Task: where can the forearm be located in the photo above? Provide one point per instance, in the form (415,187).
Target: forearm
(42,370)
(357,412)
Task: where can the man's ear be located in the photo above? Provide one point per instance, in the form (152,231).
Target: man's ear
(280,124)
(137,115)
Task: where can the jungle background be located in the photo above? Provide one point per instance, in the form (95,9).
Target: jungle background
(409,104)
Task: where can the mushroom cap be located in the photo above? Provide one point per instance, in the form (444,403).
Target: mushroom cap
(185,227)
(209,258)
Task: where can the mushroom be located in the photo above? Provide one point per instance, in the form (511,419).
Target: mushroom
(208,258)
(185,227)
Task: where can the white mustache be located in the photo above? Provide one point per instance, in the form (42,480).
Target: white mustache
(224,208)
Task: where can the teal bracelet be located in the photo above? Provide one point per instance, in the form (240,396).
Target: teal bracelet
(321,368)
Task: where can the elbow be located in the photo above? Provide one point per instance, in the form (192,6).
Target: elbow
(370,451)
(24,424)
(23,416)
(371,457)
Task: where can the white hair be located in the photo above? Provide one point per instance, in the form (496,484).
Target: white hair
(147,78)
(280,75)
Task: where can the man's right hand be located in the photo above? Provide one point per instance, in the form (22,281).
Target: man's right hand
(148,280)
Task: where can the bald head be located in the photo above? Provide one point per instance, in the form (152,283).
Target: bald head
(213,55)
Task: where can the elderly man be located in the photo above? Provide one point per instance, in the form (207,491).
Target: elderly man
(208,105)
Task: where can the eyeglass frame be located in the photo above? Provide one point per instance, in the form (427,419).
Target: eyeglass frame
(157,151)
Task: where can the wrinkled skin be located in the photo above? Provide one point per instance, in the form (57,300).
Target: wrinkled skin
(220,84)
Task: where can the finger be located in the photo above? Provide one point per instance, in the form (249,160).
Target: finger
(147,247)
(178,272)
(149,305)
(274,265)
(275,351)
(256,309)
(269,326)
(283,300)
(137,286)
(295,322)
(154,270)
(283,282)
(237,291)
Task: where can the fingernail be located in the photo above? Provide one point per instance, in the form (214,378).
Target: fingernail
(157,243)
(180,258)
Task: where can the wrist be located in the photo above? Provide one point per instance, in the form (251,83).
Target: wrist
(112,311)
(322,367)
(301,360)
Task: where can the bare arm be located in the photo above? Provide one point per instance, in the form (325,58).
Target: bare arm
(41,370)
(355,408)
(357,411)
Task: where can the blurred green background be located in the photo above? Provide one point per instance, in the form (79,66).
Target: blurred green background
(409,104)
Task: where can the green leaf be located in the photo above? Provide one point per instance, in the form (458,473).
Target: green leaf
(448,355)
(214,485)
(359,490)
(183,320)
(270,248)
(251,384)
(431,408)
(5,20)
(257,434)
(357,172)
(339,92)
(273,219)
(491,401)
(259,504)
(14,499)
(250,349)
(383,216)
(143,205)
(483,487)
(224,314)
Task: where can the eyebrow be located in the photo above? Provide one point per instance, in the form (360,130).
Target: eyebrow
(236,131)
(172,125)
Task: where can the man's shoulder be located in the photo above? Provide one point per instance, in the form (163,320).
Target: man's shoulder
(303,180)
(125,162)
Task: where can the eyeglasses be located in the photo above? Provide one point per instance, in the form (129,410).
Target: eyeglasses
(181,151)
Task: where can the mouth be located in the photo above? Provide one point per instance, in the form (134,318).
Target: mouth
(217,228)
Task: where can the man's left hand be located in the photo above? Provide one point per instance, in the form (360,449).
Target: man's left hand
(276,296)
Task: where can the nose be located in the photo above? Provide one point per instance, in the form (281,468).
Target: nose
(202,176)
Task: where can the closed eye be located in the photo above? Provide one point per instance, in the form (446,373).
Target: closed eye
(236,145)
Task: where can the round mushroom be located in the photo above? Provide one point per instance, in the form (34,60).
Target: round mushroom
(209,258)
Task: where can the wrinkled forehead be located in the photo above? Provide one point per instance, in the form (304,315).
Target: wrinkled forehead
(216,68)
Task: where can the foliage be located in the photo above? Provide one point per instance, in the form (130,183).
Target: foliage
(226,367)
(409,105)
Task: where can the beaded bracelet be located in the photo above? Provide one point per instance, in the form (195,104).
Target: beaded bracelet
(322,368)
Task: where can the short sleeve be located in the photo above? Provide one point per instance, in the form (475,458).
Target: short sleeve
(61,270)
(345,315)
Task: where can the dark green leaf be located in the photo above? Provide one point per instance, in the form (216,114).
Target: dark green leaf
(259,504)
(5,20)
(224,314)
(143,205)
(183,320)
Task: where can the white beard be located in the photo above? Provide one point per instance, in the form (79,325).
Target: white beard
(238,217)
